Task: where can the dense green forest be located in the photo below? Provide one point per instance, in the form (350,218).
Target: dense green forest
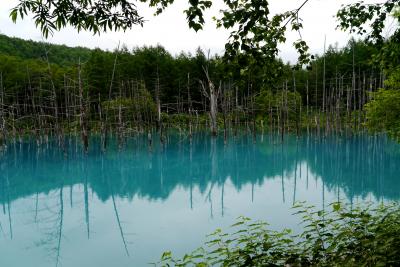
(52,89)
(57,54)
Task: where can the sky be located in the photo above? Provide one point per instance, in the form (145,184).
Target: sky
(171,31)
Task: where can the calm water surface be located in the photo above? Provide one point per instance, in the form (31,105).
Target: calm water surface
(125,207)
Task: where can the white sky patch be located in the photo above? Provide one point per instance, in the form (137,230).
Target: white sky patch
(171,31)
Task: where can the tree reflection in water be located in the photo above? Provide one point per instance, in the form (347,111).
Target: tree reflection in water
(352,167)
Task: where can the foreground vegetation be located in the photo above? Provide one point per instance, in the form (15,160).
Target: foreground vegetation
(338,236)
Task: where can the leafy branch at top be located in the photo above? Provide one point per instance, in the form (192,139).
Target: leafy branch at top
(257,34)
(357,17)
(92,15)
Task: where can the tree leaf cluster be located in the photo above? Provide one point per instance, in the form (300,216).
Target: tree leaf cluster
(91,15)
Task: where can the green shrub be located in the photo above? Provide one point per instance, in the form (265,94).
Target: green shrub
(383,112)
(342,236)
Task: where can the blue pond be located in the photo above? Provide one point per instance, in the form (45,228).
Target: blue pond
(124,207)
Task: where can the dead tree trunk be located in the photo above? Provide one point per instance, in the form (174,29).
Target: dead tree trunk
(102,127)
(253,114)
(36,116)
(82,110)
(2,118)
(212,95)
(224,108)
(57,129)
(120,131)
(189,107)
(297,116)
(323,80)
(308,114)
(157,85)
(104,130)
(236,111)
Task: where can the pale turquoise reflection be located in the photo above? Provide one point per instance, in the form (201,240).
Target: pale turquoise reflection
(124,208)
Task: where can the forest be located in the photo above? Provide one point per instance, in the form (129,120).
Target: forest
(49,89)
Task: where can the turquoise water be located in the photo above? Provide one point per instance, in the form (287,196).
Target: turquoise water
(126,206)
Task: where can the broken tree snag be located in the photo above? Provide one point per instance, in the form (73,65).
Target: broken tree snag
(120,130)
(82,110)
(2,114)
(103,128)
(189,106)
(253,114)
(212,95)
(158,102)
(224,112)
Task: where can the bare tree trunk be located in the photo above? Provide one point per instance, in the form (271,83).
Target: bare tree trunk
(82,110)
(354,82)
(224,107)
(270,116)
(212,95)
(316,86)
(113,72)
(282,114)
(36,116)
(324,82)
(308,114)
(42,122)
(213,108)
(158,102)
(189,107)
(14,131)
(120,123)
(297,117)
(102,127)
(54,103)
(253,115)
(236,111)
(3,134)
(286,107)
